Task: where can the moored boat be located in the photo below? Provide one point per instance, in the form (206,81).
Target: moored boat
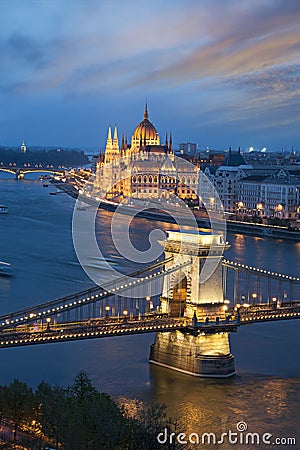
(5,268)
(3,209)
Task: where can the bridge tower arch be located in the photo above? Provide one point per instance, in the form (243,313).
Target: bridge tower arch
(189,293)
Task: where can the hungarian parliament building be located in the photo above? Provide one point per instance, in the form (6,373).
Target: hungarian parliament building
(144,168)
(147,169)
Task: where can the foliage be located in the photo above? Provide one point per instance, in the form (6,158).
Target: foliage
(79,417)
(54,157)
(278,222)
(18,403)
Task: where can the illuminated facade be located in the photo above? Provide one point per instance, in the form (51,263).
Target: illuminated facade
(144,168)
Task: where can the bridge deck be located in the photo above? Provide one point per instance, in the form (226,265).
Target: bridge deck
(33,334)
(81,331)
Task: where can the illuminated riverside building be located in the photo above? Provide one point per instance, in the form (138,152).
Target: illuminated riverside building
(270,196)
(267,191)
(145,168)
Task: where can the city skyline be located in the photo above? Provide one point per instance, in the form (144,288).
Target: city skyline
(217,75)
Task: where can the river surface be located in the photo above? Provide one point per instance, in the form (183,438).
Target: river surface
(36,239)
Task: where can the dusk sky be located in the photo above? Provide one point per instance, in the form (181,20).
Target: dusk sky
(219,73)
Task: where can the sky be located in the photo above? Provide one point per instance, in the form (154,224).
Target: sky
(219,73)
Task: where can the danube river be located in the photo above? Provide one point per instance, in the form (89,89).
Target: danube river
(36,239)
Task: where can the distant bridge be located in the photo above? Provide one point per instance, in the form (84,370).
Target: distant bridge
(20,172)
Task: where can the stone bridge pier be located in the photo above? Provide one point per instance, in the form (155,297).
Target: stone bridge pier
(19,175)
(195,292)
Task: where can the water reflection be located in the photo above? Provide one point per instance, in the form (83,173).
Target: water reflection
(208,405)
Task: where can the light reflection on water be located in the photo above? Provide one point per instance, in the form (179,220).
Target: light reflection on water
(206,405)
(36,239)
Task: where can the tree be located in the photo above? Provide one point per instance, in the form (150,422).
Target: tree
(18,401)
(51,411)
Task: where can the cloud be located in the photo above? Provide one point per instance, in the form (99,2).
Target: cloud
(176,44)
(224,62)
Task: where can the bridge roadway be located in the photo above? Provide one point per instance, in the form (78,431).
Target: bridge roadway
(88,330)
(21,171)
(23,335)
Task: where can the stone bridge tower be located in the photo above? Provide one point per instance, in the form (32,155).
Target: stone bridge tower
(195,292)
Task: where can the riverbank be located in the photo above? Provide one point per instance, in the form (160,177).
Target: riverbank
(249,229)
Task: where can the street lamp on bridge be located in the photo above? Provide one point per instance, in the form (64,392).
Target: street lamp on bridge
(107,309)
(48,320)
(148,298)
(254,297)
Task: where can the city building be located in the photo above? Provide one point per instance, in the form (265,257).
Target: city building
(270,196)
(188,148)
(145,168)
(225,179)
(266,190)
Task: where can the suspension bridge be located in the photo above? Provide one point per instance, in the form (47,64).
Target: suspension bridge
(192,319)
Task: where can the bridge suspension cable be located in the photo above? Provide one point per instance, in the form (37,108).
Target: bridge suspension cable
(91,296)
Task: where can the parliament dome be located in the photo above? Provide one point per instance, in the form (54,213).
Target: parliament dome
(145,131)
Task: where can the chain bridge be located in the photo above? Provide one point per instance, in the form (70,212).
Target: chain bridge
(192,318)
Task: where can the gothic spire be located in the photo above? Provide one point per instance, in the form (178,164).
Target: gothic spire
(109,134)
(115,134)
(146,111)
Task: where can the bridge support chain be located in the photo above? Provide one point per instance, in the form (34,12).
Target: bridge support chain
(197,354)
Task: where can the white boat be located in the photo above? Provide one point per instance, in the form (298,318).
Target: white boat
(3,209)
(5,268)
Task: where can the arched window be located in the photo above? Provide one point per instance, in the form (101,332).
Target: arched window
(134,179)
(183,180)
(150,179)
(140,179)
(194,180)
(188,180)
(145,179)
(155,179)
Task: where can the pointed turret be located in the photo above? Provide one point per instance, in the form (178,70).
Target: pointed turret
(115,134)
(171,143)
(115,142)
(109,139)
(166,142)
(112,146)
